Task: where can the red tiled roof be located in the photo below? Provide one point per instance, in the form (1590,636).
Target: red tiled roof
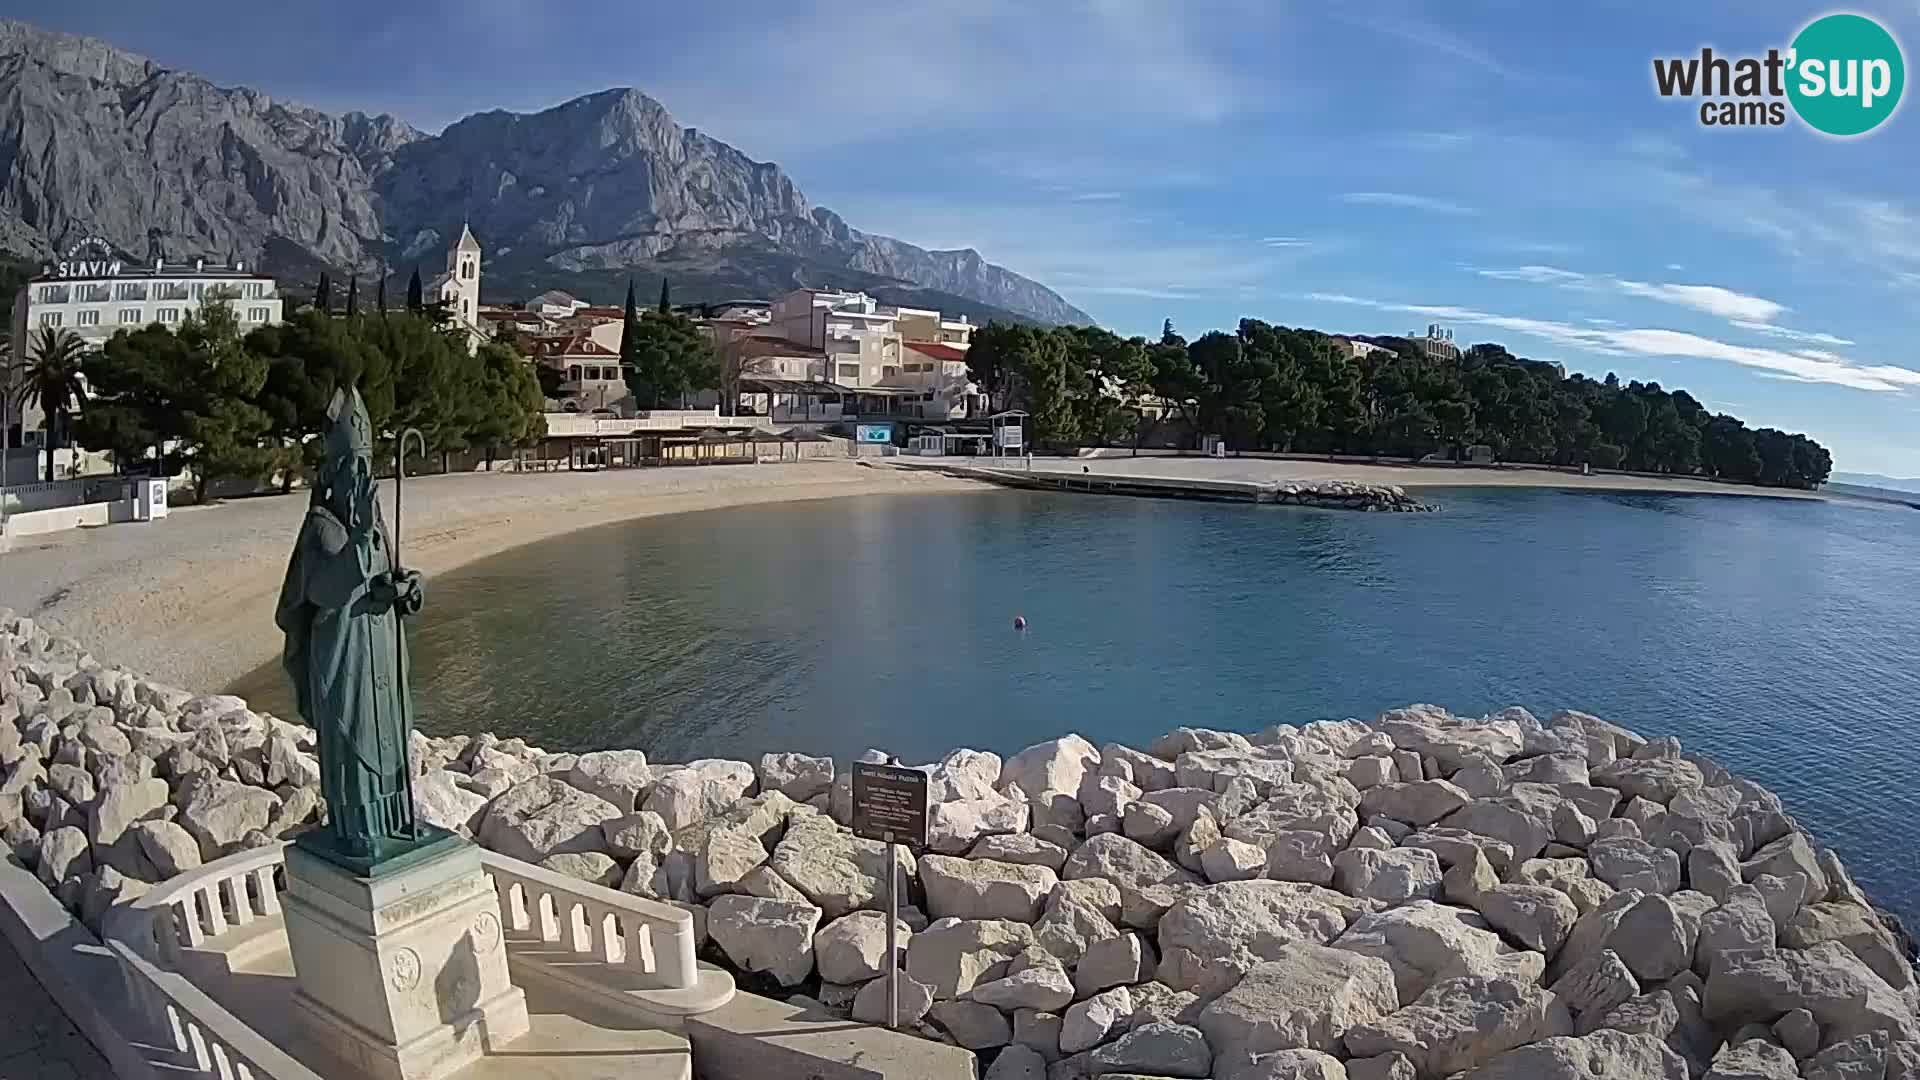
(581,344)
(937,350)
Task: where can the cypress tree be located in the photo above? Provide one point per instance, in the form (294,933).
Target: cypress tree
(415,301)
(664,306)
(353,295)
(380,294)
(323,294)
(630,342)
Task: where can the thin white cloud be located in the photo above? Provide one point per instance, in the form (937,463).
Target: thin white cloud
(1712,299)
(1535,275)
(1788,334)
(1748,312)
(1095,196)
(1283,241)
(1805,366)
(1404,201)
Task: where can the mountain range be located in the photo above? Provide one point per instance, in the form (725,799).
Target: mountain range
(163,163)
(1876,480)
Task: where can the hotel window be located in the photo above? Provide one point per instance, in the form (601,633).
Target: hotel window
(256,289)
(256,314)
(129,315)
(889,371)
(86,318)
(49,318)
(129,290)
(573,373)
(168,314)
(197,290)
(850,371)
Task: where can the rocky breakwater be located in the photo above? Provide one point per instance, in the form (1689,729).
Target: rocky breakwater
(1346,495)
(1420,897)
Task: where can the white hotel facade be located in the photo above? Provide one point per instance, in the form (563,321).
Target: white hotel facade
(92,293)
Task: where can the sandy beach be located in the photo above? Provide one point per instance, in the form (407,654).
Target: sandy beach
(189,600)
(1271,470)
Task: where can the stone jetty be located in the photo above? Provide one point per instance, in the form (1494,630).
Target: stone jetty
(1418,897)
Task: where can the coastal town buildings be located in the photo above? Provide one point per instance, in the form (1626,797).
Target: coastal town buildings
(91,291)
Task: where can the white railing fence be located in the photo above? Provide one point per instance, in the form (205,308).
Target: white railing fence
(652,941)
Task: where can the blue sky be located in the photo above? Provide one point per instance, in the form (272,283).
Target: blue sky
(1502,167)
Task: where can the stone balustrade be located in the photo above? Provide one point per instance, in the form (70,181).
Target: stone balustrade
(203,1037)
(652,942)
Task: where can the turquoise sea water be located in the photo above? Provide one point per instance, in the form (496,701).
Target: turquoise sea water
(1780,636)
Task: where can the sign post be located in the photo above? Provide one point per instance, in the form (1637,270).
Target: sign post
(890,805)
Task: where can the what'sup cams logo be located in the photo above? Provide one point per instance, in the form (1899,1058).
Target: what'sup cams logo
(1842,76)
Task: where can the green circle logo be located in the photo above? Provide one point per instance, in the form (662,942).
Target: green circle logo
(1846,74)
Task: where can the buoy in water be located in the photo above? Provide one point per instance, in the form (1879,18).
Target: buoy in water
(1019,622)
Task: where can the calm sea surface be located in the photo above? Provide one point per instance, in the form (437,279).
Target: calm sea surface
(1780,636)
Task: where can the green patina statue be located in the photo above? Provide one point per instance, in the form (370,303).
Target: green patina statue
(340,609)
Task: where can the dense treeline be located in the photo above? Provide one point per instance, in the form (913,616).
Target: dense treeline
(249,406)
(1267,387)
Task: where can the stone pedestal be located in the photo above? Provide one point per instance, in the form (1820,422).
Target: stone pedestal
(402,975)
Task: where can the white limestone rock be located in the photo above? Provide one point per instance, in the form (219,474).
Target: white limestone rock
(1858,928)
(1595,987)
(1300,855)
(595,867)
(1046,988)
(765,935)
(1602,1055)
(1753,1059)
(121,806)
(543,817)
(1055,765)
(1657,935)
(985,889)
(1454,742)
(1305,998)
(1862,1056)
(168,846)
(1148,824)
(1844,995)
(1147,772)
(1463,882)
(1091,1022)
(1740,922)
(1654,779)
(1122,960)
(1070,927)
(870,1004)
(1159,1050)
(1461,1023)
(1218,933)
(837,872)
(797,776)
(1523,825)
(727,856)
(954,955)
(1145,879)
(973,1026)
(1282,1065)
(1020,848)
(1227,859)
(1424,943)
(439,800)
(1454,846)
(1791,857)
(221,812)
(1392,877)
(699,790)
(1418,803)
(64,854)
(953,827)
(1536,916)
(621,777)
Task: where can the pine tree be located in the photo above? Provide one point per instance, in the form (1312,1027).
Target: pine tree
(353,295)
(323,294)
(415,301)
(664,306)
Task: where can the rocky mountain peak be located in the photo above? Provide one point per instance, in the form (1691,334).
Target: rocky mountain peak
(96,139)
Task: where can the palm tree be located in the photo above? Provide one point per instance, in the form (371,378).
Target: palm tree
(50,378)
